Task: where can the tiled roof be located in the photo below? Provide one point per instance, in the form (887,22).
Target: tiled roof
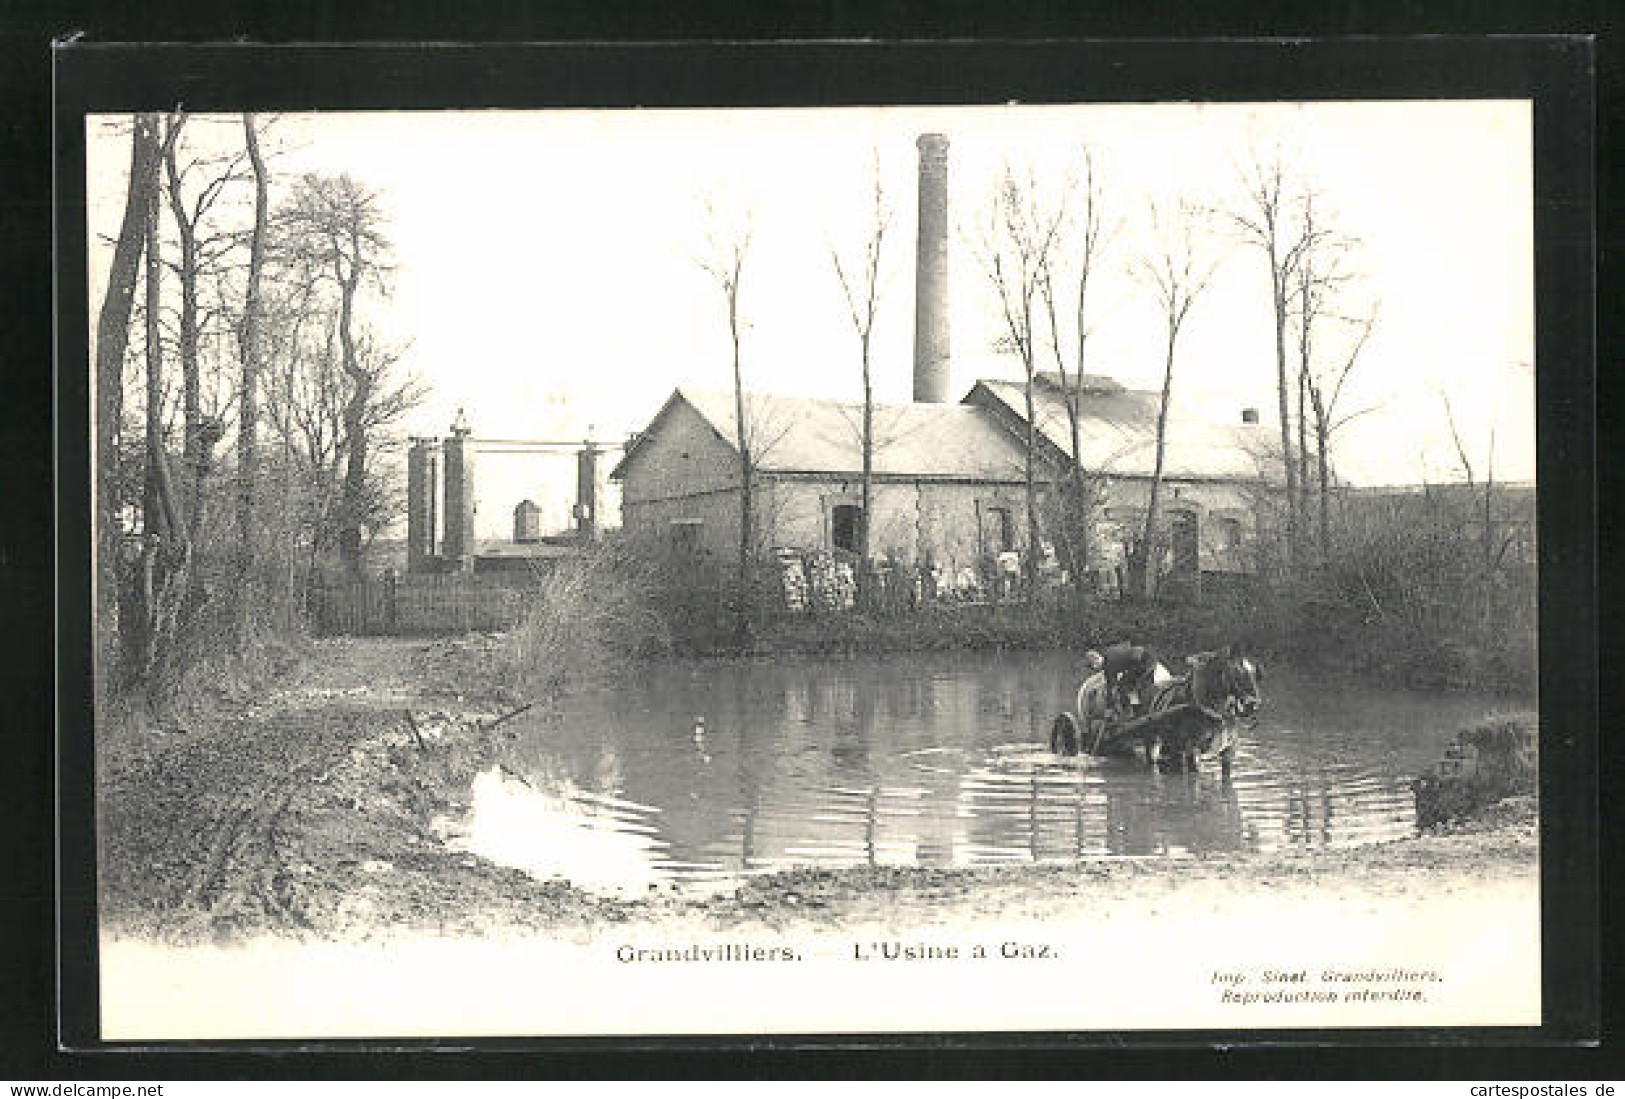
(815,435)
(1118,432)
(972,442)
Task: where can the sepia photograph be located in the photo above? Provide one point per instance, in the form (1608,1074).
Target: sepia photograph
(824,570)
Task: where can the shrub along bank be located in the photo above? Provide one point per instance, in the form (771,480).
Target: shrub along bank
(1494,760)
(1305,632)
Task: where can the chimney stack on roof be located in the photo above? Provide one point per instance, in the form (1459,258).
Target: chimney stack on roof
(931,364)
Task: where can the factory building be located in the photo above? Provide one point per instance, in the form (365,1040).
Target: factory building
(948,478)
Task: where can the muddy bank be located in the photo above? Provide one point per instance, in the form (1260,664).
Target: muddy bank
(311,812)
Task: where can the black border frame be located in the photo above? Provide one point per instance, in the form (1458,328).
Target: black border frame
(1555,72)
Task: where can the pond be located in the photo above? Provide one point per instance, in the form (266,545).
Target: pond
(701,771)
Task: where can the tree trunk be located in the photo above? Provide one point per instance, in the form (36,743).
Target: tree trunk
(355,431)
(1304,491)
(1072,536)
(112,339)
(192,451)
(1306,320)
(1322,444)
(1030,439)
(143,635)
(1277,282)
(1033,547)
(1082,520)
(747,468)
(199,439)
(865,548)
(1146,566)
(248,340)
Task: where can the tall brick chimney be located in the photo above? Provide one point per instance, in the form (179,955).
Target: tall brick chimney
(931,367)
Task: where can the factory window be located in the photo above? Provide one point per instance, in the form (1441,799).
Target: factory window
(998,531)
(1229,534)
(846,527)
(1183,535)
(685,537)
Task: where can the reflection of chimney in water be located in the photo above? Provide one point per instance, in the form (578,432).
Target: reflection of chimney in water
(931,364)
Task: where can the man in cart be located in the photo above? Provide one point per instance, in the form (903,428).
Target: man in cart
(1131,677)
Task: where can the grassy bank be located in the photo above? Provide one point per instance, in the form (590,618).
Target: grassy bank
(1308,635)
(1485,765)
(589,619)
(310,810)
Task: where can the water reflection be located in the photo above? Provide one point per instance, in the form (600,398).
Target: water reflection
(705,769)
(561,831)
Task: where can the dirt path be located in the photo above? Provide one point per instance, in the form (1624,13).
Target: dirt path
(308,812)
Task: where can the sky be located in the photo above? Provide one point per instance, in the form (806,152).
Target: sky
(546,275)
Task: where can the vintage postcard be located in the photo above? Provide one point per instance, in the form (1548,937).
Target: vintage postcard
(836,570)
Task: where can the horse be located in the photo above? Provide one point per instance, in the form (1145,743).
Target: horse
(1186,717)
(1197,714)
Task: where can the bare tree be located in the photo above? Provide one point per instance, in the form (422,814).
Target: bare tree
(861,288)
(195,183)
(727,244)
(112,339)
(1175,274)
(309,409)
(164,546)
(1323,282)
(1264,220)
(1326,391)
(290,344)
(1084,242)
(248,341)
(186,225)
(1014,250)
(332,229)
(1488,559)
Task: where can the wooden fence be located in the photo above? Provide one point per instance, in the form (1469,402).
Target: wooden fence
(420,605)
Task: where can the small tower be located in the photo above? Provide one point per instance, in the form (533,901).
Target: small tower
(527,522)
(460,506)
(422,503)
(588,525)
